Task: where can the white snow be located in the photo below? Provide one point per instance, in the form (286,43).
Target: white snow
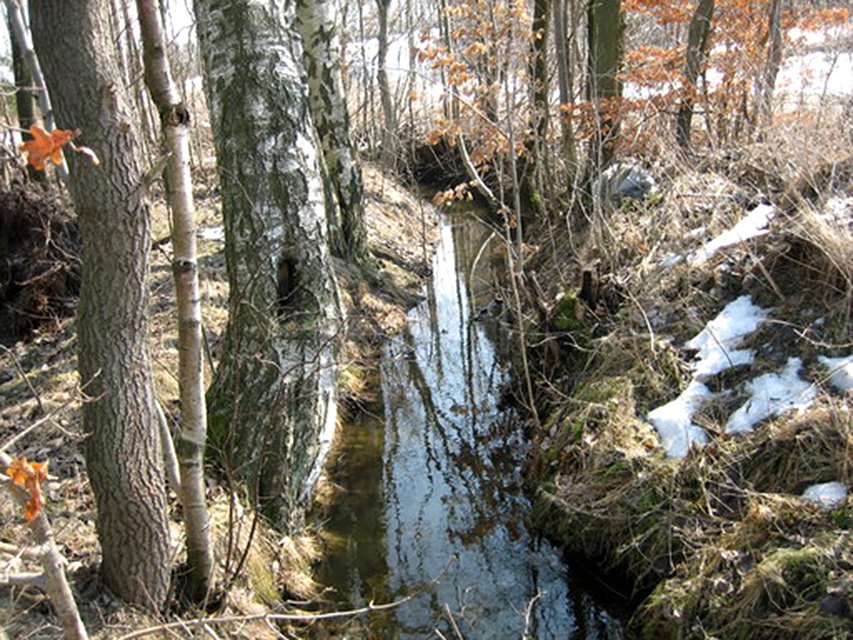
(674,420)
(717,351)
(717,342)
(755,224)
(771,395)
(216,234)
(840,371)
(828,495)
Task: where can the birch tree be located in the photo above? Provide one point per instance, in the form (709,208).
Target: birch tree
(316,21)
(273,400)
(175,125)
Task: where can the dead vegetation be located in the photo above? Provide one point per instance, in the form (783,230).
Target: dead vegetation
(718,544)
(39,260)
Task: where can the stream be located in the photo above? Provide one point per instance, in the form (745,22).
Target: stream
(433,508)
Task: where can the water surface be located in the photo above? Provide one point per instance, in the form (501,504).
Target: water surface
(434,507)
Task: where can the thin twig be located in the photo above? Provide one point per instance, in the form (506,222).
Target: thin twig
(25,378)
(291,617)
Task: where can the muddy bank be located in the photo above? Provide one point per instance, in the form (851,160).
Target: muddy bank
(686,467)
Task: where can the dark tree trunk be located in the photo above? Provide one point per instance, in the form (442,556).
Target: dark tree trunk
(123,452)
(389,132)
(697,51)
(605,27)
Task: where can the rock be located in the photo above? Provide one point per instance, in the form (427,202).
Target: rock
(620,181)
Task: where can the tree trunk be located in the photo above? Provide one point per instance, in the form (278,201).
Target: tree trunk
(21,31)
(175,125)
(697,53)
(24,103)
(605,27)
(564,81)
(767,81)
(389,132)
(534,180)
(316,20)
(123,453)
(273,399)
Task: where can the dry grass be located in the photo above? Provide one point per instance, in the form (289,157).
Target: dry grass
(720,536)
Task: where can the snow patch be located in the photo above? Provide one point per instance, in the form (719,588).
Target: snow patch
(828,495)
(717,341)
(840,371)
(674,420)
(771,395)
(755,224)
(716,345)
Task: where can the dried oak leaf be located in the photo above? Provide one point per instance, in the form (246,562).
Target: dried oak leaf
(29,476)
(46,146)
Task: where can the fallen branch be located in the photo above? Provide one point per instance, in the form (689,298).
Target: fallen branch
(24,579)
(265,617)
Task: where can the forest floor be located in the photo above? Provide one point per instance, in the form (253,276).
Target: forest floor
(696,434)
(40,394)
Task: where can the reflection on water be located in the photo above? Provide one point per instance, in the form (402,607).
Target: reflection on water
(435,507)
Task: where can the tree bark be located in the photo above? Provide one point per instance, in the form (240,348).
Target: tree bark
(175,125)
(123,453)
(316,21)
(389,132)
(767,81)
(697,53)
(605,27)
(273,399)
(534,180)
(564,81)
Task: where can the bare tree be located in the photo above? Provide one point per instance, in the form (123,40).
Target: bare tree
(123,452)
(697,52)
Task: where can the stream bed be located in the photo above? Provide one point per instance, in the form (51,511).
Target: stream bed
(433,509)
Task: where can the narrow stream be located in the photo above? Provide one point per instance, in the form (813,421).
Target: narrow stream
(433,505)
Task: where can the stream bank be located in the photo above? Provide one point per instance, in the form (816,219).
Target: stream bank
(723,540)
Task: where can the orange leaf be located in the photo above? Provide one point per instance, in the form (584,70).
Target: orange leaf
(29,476)
(46,146)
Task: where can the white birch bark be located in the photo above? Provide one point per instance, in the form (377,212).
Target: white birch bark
(316,22)
(273,400)
(175,125)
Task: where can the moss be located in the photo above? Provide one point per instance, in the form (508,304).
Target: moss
(566,313)
(261,579)
(218,431)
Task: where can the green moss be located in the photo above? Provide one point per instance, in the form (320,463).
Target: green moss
(218,431)
(843,518)
(262,580)
(565,313)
